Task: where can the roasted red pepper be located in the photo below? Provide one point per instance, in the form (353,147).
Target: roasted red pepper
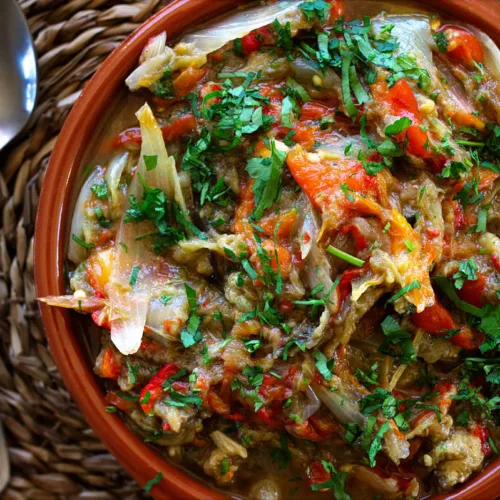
(472,291)
(462,46)
(154,387)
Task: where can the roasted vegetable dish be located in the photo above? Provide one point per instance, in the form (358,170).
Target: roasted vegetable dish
(293,251)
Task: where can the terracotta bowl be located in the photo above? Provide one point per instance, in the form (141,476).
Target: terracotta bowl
(52,226)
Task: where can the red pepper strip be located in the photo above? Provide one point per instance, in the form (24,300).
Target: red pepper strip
(171,132)
(344,287)
(154,387)
(472,291)
(401,102)
(317,474)
(438,321)
(254,40)
(434,319)
(321,180)
(462,47)
(314,111)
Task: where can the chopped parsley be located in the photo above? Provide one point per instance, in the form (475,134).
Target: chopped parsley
(267,175)
(466,272)
(323,365)
(398,341)
(101,190)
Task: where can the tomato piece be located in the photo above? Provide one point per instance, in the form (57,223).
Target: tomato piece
(336,10)
(110,368)
(314,111)
(472,291)
(434,319)
(305,430)
(171,132)
(250,43)
(128,136)
(154,387)
(285,306)
(317,474)
(468,339)
(303,135)
(273,389)
(463,47)
(418,141)
(101,319)
(179,127)
(483,433)
(400,101)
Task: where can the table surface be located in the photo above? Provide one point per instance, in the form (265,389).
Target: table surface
(53,453)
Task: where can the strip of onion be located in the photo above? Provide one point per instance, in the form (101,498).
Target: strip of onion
(239,24)
(344,410)
(129,298)
(113,176)
(76,252)
(164,176)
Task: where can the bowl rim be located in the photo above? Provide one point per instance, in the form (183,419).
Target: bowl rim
(141,460)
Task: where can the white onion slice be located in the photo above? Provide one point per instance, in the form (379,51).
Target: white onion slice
(343,409)
(238,25)
(76,253)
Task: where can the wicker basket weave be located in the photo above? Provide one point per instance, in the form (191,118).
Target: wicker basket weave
(52,452)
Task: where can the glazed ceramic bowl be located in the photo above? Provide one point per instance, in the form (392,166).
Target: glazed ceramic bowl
(54,217)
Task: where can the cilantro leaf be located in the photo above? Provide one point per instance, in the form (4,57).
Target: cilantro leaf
(441,41)
(466,272)
(267,175)
(398,126)
(453,170)
(398,342)
(164,88)
(287,112)
(150,161)
(315,10)
(323,365)
(100,189)
(255,375)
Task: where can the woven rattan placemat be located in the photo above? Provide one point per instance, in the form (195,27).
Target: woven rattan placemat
(53,453)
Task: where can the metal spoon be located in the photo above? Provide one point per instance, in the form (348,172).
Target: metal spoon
(18,72)
(18,89)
